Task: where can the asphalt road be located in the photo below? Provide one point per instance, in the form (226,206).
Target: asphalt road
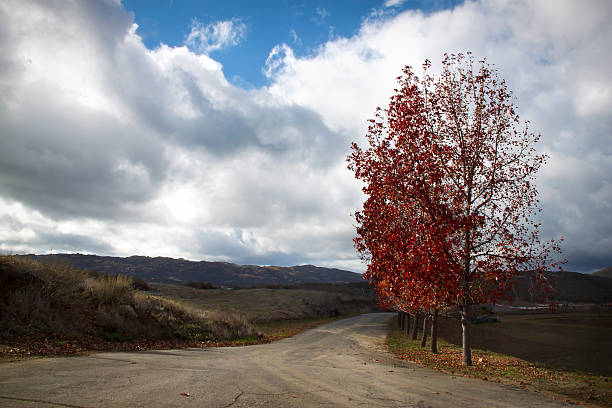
(341,364)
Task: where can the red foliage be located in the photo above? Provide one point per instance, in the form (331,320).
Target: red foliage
(451,200)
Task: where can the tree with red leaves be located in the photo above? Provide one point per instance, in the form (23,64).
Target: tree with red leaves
(449,172)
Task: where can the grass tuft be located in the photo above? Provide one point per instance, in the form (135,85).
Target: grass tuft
(112,290)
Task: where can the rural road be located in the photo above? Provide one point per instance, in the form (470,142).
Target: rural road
(341,364)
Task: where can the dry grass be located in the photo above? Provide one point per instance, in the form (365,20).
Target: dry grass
(47,304)
(36,298)
(112,290)
(564,383)
(261,305)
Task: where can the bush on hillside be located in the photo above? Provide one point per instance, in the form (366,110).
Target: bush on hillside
(200,285)
(140,284)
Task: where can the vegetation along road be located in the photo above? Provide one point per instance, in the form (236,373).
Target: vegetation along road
(343,363)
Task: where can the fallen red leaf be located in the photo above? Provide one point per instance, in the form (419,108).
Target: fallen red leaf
(185,394)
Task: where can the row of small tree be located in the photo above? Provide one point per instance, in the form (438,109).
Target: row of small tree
(404,322)
(449,174)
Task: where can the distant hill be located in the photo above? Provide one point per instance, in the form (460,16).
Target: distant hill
(607,272)
(572,287)
(170,270)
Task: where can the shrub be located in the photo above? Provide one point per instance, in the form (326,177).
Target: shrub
(200,285)
(140,284)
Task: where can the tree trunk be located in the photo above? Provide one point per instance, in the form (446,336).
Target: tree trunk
(434,332)
(415,327)
(424,339)
(466,338)
(407,323)
(399,319)
(465,307)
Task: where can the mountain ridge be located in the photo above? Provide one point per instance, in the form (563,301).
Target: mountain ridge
(172,270)
(569,286)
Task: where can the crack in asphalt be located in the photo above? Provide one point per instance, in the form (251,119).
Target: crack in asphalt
(258,394)
(113,359)
(240,394)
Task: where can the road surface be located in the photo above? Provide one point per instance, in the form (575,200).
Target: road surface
(341,364)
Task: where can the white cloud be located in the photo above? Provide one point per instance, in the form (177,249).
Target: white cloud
(110,147)
(280,56)
(393,3)
(321,15)
(206,38)
(294,36)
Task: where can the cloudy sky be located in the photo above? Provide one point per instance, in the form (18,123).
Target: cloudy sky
(220,132)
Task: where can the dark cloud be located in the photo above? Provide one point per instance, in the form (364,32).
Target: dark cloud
(68,161)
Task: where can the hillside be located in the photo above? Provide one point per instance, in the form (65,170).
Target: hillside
(605,272)
(170,270)
(44,306)
(571,287)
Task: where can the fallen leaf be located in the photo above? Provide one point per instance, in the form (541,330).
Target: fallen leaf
(185,394)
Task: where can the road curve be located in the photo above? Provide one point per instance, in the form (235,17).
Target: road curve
(341,364)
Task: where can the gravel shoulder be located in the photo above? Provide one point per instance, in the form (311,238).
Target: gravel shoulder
(341,364)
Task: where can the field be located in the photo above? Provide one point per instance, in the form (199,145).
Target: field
(565,355)
(277,312)
(572,341)
(259,305)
